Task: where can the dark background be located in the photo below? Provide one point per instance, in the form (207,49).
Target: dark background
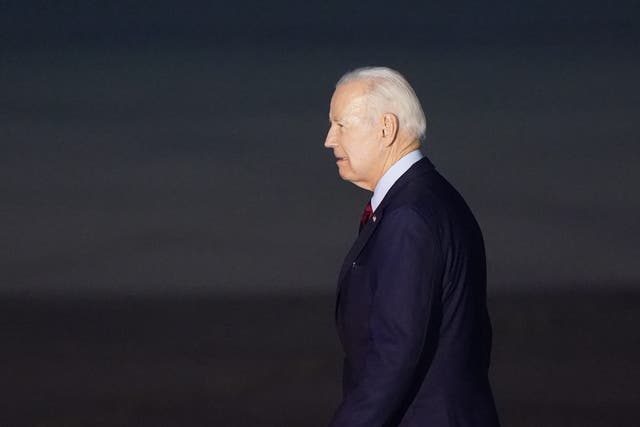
(172,226)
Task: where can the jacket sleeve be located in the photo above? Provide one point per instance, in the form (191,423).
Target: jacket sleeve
(405,269)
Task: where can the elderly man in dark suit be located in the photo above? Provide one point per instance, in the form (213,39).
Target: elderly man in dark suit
(411,306)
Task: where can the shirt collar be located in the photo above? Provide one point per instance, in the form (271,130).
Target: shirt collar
(392,175)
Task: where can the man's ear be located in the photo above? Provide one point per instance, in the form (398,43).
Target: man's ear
(389,128)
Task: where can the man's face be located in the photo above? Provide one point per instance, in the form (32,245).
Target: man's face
(353,136)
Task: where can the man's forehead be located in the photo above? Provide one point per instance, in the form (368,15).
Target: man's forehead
(349,99)
(351,106)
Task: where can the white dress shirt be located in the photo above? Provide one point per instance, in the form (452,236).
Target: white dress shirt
(392,175)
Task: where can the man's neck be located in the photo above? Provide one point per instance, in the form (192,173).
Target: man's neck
(395,156)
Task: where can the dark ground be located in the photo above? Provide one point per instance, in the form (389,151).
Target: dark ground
(568,359)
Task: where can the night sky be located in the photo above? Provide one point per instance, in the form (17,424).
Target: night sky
(176,147)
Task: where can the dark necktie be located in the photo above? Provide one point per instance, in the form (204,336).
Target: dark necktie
(366,215)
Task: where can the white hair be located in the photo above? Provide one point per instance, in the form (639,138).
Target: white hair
(388,91)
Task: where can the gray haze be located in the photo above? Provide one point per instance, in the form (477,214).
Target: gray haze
(183,166)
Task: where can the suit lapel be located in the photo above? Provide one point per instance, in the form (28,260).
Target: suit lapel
(356,248)
(420,167)
(361,241)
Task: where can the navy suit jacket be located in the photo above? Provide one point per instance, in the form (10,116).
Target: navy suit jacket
(411,312)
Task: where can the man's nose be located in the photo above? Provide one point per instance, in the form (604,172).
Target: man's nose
(330,140)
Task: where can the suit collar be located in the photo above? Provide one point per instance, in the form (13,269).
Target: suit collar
(420,167)
(392,175)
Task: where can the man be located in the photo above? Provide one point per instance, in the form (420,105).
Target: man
(411,306)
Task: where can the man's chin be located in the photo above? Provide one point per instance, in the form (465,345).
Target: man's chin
(344,174)
(352,179)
